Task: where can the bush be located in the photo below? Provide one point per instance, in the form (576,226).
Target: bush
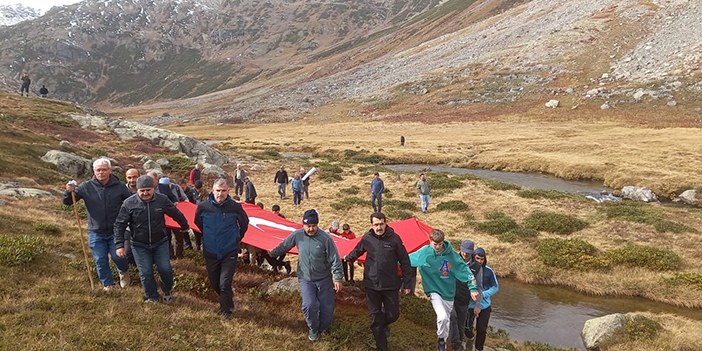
(444,182)
(188,283)
(664,226)
(453,205)
(648,257)
(411,194)
(177,164)
(636,328)
(353,190)
(19,250)
(692,279)
(554,223)
(497,185)
(400,204)
(497,223)
(46,228)
(631,211)
(348,202)
(330,168)
(507,237)
(82,212)
(567,253)
(547,194)
(398,215)
(329,177)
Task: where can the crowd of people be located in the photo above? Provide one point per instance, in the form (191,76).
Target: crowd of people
(126,224)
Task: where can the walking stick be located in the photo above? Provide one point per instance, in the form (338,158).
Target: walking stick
(82,241)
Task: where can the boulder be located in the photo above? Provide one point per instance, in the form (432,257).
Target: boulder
(66,144)
(152,165)
(689,197)
(597,330)
(553,103)
(639,95)
(638,194)
(285,285)
(605,106)
(672,103)
(569,90)
(68,163)
(213,169)
(14,189)
(163,162)
(593,92)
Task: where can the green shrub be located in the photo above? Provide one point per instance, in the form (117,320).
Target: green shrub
(330,168)
(648,257)
(348,202)
(554,223)
(453,205)
(547,194)
(270,153)
(497,185)
(46,228)
(692,279)
(507,237)
(400,204)
(497,223)
(664,226)
(329,177)
(398,215)
(411,194)
(418,310)
(375,158)
(82,212)
(636,328)
(540,272)
(353,190)
(539,346)
(19,250)
(631,211)
(188,283)
(387,194)
(177,164)
(567,253)
(443,182)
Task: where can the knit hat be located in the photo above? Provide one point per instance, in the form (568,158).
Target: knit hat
(335,225)
(310,217)
(467,246)
(164,180)
(145,181)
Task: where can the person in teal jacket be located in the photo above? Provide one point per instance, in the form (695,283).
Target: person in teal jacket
(481,311)
(440,267)
(318,258)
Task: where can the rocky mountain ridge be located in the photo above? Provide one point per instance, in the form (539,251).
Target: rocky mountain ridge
(13,14)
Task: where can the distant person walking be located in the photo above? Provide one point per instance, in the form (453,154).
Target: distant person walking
(239,175)
(25,84)
(224,224)
(144,213)
(376,188)
(103,196)
(305,183)
(297,187)
(384,253)
(402,140)
(281,179)
(423,187)
(43,91)
(318,258)
(250,191)
(196,173)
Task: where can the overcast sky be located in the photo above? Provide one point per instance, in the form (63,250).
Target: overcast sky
(43,5)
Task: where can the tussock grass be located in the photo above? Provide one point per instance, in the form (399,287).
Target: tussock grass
(47,228)
(648,257)
(497,223)
(400,204)
(353,190)
(640,213)
(548,194)
(693,279)
(554,223)
(567,253)
(453,205)
(348,202)
(19,250)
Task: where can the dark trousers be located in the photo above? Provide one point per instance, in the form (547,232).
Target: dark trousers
(198,239)
(221,273)
(348,270)
(480,326)
(25,87)
(239,187)
(384,309)
(459,315)
(379,197)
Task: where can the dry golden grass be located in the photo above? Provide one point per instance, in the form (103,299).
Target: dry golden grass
(679,333)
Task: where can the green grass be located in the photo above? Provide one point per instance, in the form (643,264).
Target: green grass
(398,215)
(400,204)
(46,228)
(554,223)
(497,185)
(692,279)
(497,223)
(444,182)
(348,202)
(352,190)
(177,164)
(548,194)
(19,250)
(567,253)
(648,257)
(453,205)
(642,213)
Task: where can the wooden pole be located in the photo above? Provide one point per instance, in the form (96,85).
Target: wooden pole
(82,241)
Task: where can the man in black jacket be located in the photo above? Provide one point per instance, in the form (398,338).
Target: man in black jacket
(143,213)
(250,193)
(223,223)
(385,251)
(103,196)
(281,179)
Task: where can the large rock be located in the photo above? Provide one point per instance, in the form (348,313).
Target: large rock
(68,163)
(285,285)
(152,165)
(163,162)
(553,103)
(638,194)
(128,130)
(689,197)
(13,189)
(213,169)
(598,330)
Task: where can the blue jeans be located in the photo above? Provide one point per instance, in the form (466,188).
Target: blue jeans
(101,246)
(318,303)
(425,202)
(297,197)
(281,190)
(145,258)
(379,197)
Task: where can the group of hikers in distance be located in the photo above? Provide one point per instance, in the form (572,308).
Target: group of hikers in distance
(26,82)
(130,217)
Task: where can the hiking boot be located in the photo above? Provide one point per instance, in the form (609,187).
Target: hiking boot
(313,335)
(441,345)
(124,279)
(469,344)
(167,298)
(226,316)
(107,288)
(287,266)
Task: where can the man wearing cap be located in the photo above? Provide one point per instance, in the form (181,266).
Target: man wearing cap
(250,193)
(318,258)
(143,213)
(103,195)
(384,252)
(223,223)
(239,175)
(459,315)
(281,178)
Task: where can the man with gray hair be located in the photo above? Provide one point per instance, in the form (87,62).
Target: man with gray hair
(103,196)
(239,175)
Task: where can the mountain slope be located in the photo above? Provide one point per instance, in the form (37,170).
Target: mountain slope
(13,14)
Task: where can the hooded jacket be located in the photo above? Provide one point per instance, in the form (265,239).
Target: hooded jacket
(146,220)
(462,291)
(317,255)
(440,271)
(384,254)
(101,201)
(223,225)
(489,283)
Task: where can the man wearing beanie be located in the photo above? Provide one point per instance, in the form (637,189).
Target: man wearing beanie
(318,258)
(143,213)
(463,299)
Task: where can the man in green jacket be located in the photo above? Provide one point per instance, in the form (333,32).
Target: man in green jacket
(440,267)
(318,258)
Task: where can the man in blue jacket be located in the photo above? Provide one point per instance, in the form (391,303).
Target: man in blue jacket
(318,258)
(223,223)
(376,187)
(144,213)
(103,196)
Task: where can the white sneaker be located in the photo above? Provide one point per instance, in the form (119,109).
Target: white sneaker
(107,288)
(124,279)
